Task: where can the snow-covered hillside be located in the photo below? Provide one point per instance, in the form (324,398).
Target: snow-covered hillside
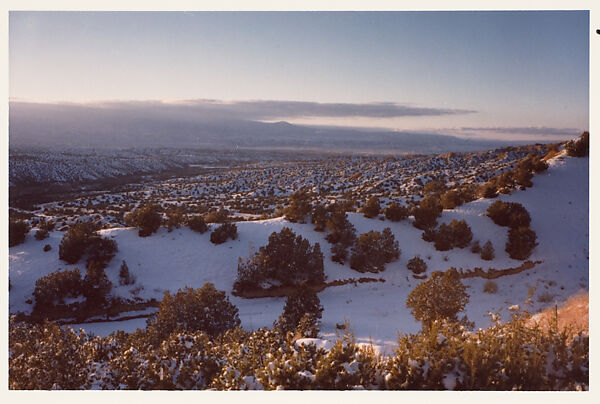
(557,203)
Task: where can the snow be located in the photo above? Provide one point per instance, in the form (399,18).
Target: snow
(558,205)
(319,343)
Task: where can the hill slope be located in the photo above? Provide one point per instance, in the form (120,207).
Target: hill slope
(558,204)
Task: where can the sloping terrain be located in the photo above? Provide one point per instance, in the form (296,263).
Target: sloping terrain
(557,202)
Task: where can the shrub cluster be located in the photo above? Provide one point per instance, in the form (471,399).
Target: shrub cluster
(299,206)
(579,147)
(371,208)
(189,310)
(373,250)
(82,239)
(55,287)
(197,224)
(287,260)
(95,285)
(41,234)
(521,238)
(521,242)
(396,213)
(17,231)
(445,356)
(448,236)
(487,252)
(217,216)
(342,234)
(125,277)
(427,213)
(417,265)
(510,214)
(174,218)
(302,311)
(146,218)
(441,297)
(224,232)
(520,176)
(319,216)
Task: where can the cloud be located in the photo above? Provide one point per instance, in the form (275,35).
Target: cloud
(288,109)
(526,130)
(273,110)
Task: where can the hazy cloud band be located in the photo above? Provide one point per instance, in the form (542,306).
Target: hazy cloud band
(271,109)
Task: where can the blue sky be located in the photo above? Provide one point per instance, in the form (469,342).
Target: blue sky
(526,72)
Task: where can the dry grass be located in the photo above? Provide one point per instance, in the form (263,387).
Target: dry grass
(573,313)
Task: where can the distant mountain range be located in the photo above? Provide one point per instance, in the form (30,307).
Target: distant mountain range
(73,125)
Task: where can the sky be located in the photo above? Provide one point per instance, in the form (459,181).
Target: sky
(504,75)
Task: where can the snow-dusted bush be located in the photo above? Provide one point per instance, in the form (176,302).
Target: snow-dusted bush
(41,234)
(516,355)
(146,218)
(451,199)
(427,212)
(523,176)
(101,249)
(429,360)
(442,296)
(224,232)
(217,216)
(347,366)
(55,287)
(197,224)
(448,236)
(183,361)
(373,250)
(371,208)
(533,163)
(80,239)
(488,190)
(461,233)
(95,285)
(521,242)
(125,277)
(434,187)
(286,260)
(299,206)
(510,214)
(417,265)
(579,147)
(396,213)
(189,310)
(299,304)
(17,231)
(487,251)
(342,235)
(174,218)
(47,357)
(319,216)
(443,238)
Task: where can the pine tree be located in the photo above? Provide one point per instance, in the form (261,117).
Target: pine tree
(303,301)
(521,242)
(396,213)
(487,252)
(371,207)
(442,296)
(125,277)
(319,217)
(299,206)
(17,231)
